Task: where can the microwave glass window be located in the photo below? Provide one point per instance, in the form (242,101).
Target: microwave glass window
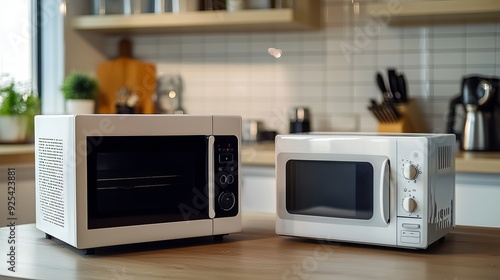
(337,189)
(142,180)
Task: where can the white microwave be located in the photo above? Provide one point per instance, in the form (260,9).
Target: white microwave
(392,190)
(105,180)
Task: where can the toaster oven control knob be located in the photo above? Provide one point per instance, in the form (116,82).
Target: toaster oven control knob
(227,201)
(409,204)
(410,171)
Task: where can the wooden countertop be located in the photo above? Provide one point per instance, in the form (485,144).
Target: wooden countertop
(17,154)
(256,253)
(473,162)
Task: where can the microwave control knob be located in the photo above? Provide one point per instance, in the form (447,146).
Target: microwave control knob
(227,200)
(409,204)
(410,171)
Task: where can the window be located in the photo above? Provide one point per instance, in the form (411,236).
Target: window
(18,47)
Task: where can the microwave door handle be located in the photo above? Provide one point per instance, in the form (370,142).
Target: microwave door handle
(385,180)
(211,177)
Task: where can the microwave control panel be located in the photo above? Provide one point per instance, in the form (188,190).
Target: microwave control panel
(411,177)
(226,176)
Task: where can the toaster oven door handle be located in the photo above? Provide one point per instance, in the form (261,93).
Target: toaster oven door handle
(211,177)
(385,180)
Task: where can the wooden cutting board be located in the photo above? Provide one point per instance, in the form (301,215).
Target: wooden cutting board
(137,76)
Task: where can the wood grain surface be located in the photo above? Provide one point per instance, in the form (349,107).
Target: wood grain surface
(136,76)
(256,253)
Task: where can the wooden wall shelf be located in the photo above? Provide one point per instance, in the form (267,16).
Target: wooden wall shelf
(437,12)
(304,16)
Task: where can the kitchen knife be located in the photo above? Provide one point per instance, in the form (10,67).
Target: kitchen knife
(402,88)
(393,83)
(381,85)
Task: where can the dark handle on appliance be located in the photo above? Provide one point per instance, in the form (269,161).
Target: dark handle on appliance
(451,115)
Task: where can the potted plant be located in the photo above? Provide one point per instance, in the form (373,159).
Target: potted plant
(18,106)
(80,91)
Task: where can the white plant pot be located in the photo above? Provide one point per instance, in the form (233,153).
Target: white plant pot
(13,129)
(80,106)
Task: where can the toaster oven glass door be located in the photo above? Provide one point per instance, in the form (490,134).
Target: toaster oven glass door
(338,189)
(135,180)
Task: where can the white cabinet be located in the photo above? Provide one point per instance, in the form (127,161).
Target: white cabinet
(258,189)
(24,193)
(477,199)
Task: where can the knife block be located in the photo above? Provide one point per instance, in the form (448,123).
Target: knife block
(410,121)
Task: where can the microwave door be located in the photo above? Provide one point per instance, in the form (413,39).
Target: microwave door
(350,190)
(144,180)
(336,189)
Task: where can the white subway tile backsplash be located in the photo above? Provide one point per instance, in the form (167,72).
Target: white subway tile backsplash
(338,76)
(386,31)
(448,74)
(339,91)
(448,43)
(214,48)
(389,44)
(339,61)
(417,31)
(480,58)
(482,70)
(368,91)
(419,59)
(331,71)
(363,77)
(454,58)
(337,44)
(341,123)
(365,60)
(440,30)
(418,43)
(416,75)
(339,105)
(475,29)
(416,89)
(446,90)
(480,42)
(394,59)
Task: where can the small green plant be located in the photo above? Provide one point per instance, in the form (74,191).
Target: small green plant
(18,99)
(79,86)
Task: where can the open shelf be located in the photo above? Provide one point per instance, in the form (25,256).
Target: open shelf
(304,16)
(438,11)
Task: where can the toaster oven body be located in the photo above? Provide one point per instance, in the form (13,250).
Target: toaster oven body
(105,180)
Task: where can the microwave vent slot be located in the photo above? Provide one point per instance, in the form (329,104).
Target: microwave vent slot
(444,157)
(50,181)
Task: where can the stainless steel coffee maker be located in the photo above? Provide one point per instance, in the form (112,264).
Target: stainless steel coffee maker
(480,102)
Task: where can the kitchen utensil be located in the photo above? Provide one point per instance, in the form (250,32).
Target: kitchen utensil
(402,88)
(385,112)
(381,85)
(393,83)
